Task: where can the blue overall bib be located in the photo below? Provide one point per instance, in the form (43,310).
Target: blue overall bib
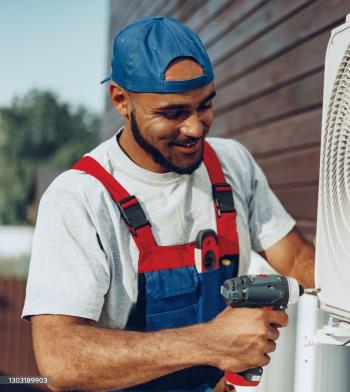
(172,292)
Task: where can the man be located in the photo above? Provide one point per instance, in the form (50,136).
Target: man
(116,294)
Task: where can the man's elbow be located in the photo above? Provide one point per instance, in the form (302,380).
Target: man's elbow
(51,360)
(52,342)
(54,387)
(62,368)
(58,379)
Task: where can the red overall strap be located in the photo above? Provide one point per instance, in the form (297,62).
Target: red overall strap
(223,201)
(130,209)
(153,257)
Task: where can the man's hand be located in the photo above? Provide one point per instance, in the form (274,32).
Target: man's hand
(240,339)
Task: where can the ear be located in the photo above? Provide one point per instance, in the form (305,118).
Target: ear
(120,99)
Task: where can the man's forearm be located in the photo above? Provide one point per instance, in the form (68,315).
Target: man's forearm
(304,266)
(74,354)
(293,256)
(106,359)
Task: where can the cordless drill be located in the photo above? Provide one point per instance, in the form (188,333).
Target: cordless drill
(259,291)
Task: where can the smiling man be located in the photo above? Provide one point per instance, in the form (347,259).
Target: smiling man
(118,293)
(172,137)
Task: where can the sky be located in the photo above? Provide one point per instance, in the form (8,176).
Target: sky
(59,45)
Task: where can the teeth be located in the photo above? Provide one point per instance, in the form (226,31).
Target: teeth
(186,144)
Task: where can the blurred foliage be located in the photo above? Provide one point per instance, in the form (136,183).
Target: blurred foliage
(38,130)
(14,266)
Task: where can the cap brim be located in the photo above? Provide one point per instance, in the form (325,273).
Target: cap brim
(105,80)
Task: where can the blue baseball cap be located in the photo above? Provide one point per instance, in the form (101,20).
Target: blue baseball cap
(143,50)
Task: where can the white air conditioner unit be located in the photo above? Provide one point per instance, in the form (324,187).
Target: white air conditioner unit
(333,218)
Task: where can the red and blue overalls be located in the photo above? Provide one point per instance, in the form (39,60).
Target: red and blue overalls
(172,292)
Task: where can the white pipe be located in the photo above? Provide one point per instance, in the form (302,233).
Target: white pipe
(305,357)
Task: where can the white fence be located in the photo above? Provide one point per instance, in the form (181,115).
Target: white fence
(15,240)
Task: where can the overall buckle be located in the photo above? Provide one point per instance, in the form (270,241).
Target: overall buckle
(132,214)
(222,194)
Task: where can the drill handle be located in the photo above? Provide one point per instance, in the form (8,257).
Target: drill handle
(250,377)
(247,378)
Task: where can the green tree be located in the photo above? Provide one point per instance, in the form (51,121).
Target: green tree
(38,130)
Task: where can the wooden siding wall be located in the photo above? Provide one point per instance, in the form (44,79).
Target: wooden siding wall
(268,58)
(16,352)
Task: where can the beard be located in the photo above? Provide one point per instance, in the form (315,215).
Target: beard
(156,155)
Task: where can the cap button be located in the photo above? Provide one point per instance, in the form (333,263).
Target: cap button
(158,17)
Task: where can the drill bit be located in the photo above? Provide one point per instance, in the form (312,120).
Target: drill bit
(312,291)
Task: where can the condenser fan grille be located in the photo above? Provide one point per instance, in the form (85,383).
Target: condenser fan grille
(334,208)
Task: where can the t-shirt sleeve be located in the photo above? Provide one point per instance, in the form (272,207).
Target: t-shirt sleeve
(68,272)
(269,222)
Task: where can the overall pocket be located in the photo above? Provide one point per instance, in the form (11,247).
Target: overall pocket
(181,317)
(172,298)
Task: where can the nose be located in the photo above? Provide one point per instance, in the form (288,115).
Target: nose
(193,126)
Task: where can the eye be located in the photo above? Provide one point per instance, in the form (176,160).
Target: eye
(204,107)
(174,115)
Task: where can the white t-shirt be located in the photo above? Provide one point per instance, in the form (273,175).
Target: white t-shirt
(71,274)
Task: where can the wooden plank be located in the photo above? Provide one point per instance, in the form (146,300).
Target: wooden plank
(300,202)
(140,10)
(130,11)
(5,334)
(210,10)
(188,8)
(290,66)
(318,16)
(251,29)
(171,7)
(292,98)
(157,7)
(290,133)
(292,168)
(235,14)
(10,320)
(20,327)
(14,330)
(119,10)
(15,327)
(17,357)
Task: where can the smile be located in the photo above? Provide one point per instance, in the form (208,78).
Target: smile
(191,147)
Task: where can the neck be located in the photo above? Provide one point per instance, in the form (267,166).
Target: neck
(136,153)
